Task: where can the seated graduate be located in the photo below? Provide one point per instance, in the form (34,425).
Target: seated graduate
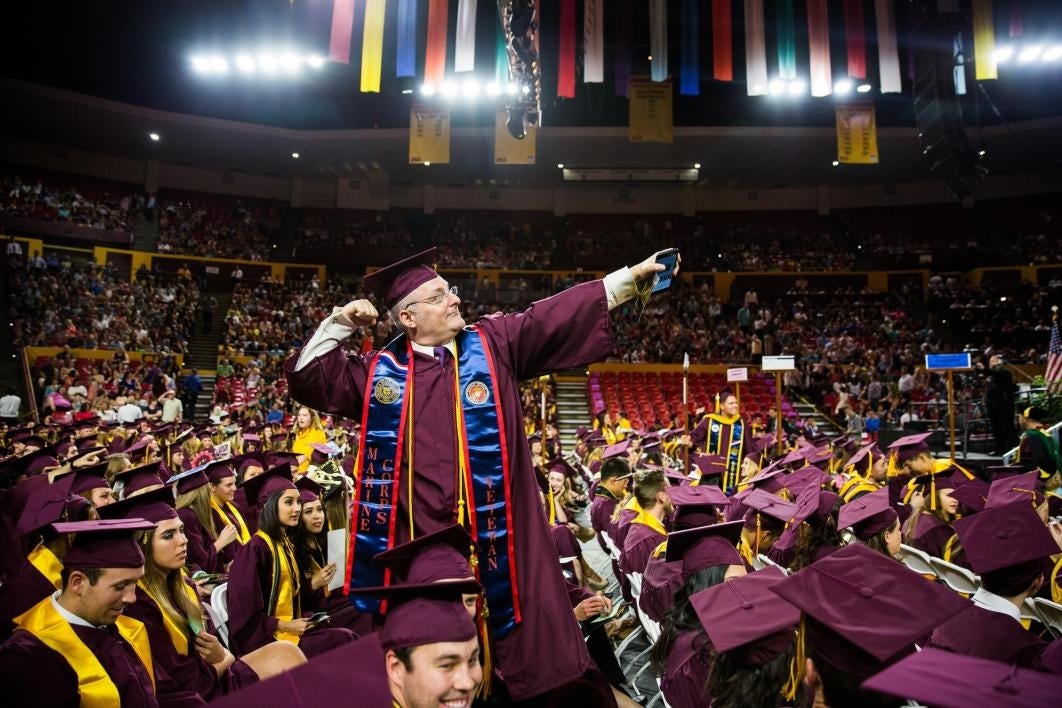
(647,530)
(248,466)
(866,470)
(1006,545)
(873,522)
(929,528)
(138,480)
(77,647)
(812,532)
(264,595)
(765,521)
(682,654)
(183,641)
(206,542)
(861,612)
(225,513)
(752,634)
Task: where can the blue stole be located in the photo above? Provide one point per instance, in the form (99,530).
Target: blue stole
(727,439)
(483,463)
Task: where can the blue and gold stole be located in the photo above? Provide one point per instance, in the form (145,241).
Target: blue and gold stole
(726,438)
(483,484)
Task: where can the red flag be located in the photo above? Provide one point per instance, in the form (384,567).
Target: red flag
(855,37)
(722,48)
(435,52)
(566,58)
(342,28)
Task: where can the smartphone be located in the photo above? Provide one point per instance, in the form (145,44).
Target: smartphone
(319,618)
(668,258)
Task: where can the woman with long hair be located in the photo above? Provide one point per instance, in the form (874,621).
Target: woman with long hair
(265,583)
(308,430)
(817,537)
(929,528)
(183,642)
(682,655)
(205,540)
(873,522)
(222,484)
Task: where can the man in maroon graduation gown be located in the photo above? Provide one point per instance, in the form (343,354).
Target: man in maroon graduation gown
(566,330)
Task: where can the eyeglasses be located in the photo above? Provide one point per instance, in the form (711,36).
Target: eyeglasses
(435,299)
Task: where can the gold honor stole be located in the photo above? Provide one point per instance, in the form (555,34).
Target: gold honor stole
(229,513)
(178,635)
(284,592)
(48,564)
(94,685)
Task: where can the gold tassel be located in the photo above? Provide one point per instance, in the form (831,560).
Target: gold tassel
(893,470)
(796,666)
(488,659)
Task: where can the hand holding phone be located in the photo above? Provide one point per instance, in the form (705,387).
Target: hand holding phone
(668,259)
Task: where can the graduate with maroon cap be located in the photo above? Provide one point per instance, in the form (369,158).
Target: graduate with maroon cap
(205,541)
(77,646)
(222,483)
(873,522)
(1005,545)
(474,374)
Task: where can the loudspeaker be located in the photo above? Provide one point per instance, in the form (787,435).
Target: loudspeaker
(938,113)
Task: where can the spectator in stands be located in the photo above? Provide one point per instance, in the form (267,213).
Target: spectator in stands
(192,386)
(128,411)
(10,406)
(172,408)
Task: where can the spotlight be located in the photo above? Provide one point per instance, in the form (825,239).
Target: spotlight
(836,163)
(696,165)
(470,89)
(291,63)
(245,64)
(1003,54)
(757,89)
(510,88)
(427,90)
(1053,53)
(492,89)
(154,137)
(406,92)
(315,61)
(843,87)
(560,165)
(863,88)
(295,155)
(427,164)
(268,62)
(1030,54)
(200,64)
(982,152)
(526,90)
(796,87)
(219,65)
(776,87)
(449,89)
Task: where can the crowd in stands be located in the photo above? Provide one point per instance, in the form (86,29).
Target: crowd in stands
(106,206)
(217,227)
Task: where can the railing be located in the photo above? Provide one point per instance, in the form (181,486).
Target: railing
(27,383)
(1054,431)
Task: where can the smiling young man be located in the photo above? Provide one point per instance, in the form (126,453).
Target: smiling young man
(76,647)
(441,402)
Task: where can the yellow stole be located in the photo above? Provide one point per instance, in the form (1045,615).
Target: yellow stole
(646,519)
(241,526)
(94,685)
(283,600)
(1056,590)
(178,634)
(48,564)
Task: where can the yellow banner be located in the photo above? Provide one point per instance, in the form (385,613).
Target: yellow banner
(984,37)
(507,149)
(372,46)
(650,112)
(429,135)
(857,135)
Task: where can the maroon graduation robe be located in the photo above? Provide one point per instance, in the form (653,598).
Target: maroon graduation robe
(639,545)
(248,512)
(929,534)
(989,635)
(19,592)
(190,671)
(566,330)
(226,554)
(250,624)
(201,552)
(686,672)
(659,584)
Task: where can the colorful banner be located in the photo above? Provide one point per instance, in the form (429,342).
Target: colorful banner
(566,51)
(786,38)
(888,50)
(429,135)
(342,29)
(406,39)
(501,56)
(857,135)
(755,49)
(984,37)
(465,38)
(650,112)
(658,39)
(621,67)
(690,72)
(372,46)
(819,48)
(593,41)
(507,149)
(722,42)
(855,38)
(435,51)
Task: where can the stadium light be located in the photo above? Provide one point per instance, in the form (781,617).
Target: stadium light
(291,62)
(511,88)
(560,165)
(1052,53)
(219,65)
(863,88)
(836,163)
(427,90)
(268,62)
(1003,54)
(427,164)
(843,87)
(1030,54)
(470,89)
(449,89)
(696,165)
(154,137)
(796,87)
(492,89)
(776,87)
(315,61)
(245,64)
(200,64)
(295,155)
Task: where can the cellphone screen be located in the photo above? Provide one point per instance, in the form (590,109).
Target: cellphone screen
(662,281)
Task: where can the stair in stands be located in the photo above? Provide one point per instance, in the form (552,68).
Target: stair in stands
(146,235)
(809,412)
(569,391)
(9,367)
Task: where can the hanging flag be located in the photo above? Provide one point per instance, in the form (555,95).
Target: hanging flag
(857,134)
(1053,372)
(593,41)
(658,39)
(690,73)
(984,37)
(855,38)
(621,69)
(650,112)
(507,149)
(406,40)
(819,48)
(722,44)
(342,29)
(465,39)
(429,135)
(786,39)
(755,49)
(888,51)
(372,46)
(435,51)
(566,51)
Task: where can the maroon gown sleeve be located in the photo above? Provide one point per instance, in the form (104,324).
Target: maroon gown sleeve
(332,383)
(34,675)
(250,624)
(659,584)
(19,592)
(201,553)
